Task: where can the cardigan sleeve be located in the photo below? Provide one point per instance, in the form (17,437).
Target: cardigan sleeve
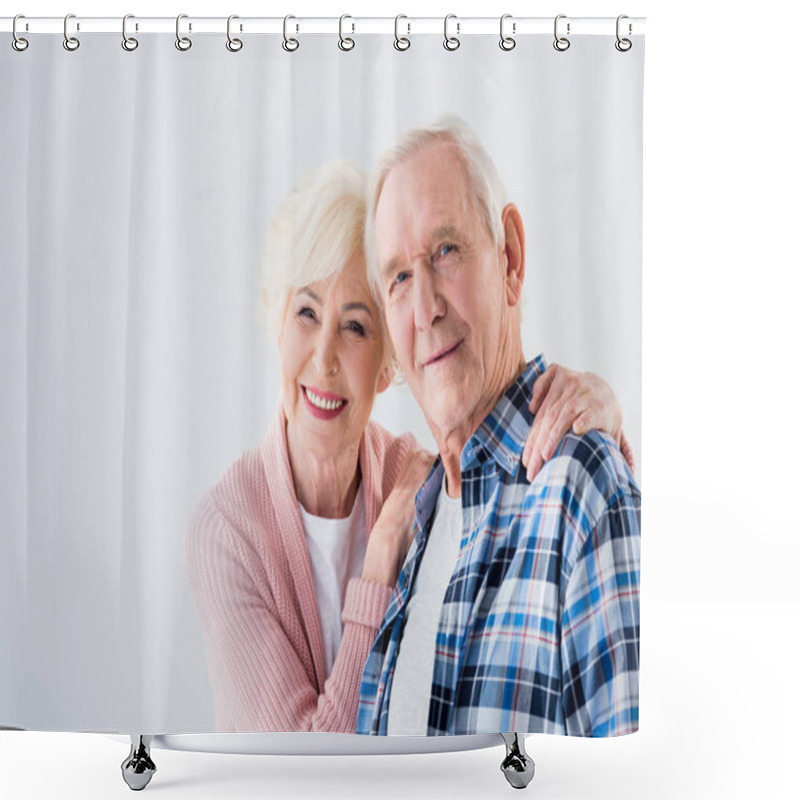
(257,676)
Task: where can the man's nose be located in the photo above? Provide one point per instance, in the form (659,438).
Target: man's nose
(429,304)
(326,355)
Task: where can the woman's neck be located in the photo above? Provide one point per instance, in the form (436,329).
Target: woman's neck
(325,486)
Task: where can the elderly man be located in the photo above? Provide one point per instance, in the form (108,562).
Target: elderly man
(517,608)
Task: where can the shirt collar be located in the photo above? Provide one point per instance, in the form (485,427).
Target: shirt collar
(503,433)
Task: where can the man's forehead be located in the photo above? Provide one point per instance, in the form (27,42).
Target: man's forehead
(429,189)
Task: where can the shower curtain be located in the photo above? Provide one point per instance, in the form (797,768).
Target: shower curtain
(141,193)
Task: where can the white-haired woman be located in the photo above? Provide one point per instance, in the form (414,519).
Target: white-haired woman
(293,555)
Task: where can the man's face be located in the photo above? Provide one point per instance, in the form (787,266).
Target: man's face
(443,287)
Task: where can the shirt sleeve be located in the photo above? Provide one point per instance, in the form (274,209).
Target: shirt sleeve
(258,677)
(600,626)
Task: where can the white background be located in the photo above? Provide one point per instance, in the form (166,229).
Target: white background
(720,603)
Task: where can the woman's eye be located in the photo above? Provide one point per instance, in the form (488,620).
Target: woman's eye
(400,278)
(306,312)
(356,327)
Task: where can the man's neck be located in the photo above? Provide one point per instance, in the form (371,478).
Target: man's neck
(451,443)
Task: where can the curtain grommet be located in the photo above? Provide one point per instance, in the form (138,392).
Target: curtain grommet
(70,43)
(183,43)
(401,43)
(129,43)
(346,43)
(451,42)
(289,44)
(234,45)
(623,44)
(561,43)
(507,42)
(18,42)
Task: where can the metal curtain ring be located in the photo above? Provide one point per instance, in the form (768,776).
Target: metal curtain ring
(128,42)
(182,42)
(561,43)
(70,42)
(290,45)
(345,42)
(401,42)
(234,45)
(623,45)
(507,42)
(18,43)
(451,42)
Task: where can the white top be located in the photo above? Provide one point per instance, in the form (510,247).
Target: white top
(413,675)
(337,548)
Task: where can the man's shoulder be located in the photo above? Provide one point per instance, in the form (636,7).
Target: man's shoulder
(593,458)
(585,477)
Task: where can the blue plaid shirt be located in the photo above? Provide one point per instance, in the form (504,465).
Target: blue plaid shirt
(539,629)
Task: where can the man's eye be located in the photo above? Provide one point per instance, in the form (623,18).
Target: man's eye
(445,250)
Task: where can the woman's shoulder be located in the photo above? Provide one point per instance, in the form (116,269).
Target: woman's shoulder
(390,452)
(388,446)
(238,501)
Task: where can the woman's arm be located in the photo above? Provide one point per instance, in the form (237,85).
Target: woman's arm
(257,675)
(564,400)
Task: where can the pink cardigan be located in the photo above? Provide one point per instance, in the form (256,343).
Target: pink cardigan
(250,571)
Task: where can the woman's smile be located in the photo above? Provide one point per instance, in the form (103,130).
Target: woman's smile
(323,405)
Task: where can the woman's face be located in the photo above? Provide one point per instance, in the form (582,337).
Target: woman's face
(332,359)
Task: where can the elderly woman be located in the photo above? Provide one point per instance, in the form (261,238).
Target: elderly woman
(293,555)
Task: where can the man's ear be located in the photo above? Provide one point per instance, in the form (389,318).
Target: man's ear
(514,253)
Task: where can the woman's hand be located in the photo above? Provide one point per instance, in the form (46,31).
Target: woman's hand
(564,400)
(394,530)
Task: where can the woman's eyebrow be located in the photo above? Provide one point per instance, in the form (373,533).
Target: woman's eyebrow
(356,307)
(312,294)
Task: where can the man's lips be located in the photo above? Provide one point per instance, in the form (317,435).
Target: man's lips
(442,354)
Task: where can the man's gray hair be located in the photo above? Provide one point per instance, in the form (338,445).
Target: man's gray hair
(481,173)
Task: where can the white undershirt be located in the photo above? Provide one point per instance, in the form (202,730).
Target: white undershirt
(413,675)
(337,548)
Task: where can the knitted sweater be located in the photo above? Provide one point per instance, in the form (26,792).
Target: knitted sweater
(250,572)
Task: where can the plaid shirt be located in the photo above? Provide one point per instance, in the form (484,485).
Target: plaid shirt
(539,629)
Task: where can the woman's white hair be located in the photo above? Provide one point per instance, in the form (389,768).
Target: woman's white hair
(482,177)
(314,233)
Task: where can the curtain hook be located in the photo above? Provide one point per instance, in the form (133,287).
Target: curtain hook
(623,45)
(401,42)
(451,42)
(128,42)
(18,43)
(290,45)
(561,43)
(70,42)
(182,42)
(234,45)
(345,42)
(507,42)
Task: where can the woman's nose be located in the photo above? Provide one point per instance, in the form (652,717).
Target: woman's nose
(325,355)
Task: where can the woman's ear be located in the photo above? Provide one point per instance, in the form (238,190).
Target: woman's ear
(514,252)
(387,375)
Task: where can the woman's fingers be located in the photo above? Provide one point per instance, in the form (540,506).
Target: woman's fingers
(542,386)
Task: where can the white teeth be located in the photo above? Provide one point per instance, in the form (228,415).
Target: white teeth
(321,402)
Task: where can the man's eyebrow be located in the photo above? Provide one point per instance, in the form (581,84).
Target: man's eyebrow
(356,307)
(390,266)
(311,293)
(446,231)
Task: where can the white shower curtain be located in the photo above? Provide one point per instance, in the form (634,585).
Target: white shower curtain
(137,188)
